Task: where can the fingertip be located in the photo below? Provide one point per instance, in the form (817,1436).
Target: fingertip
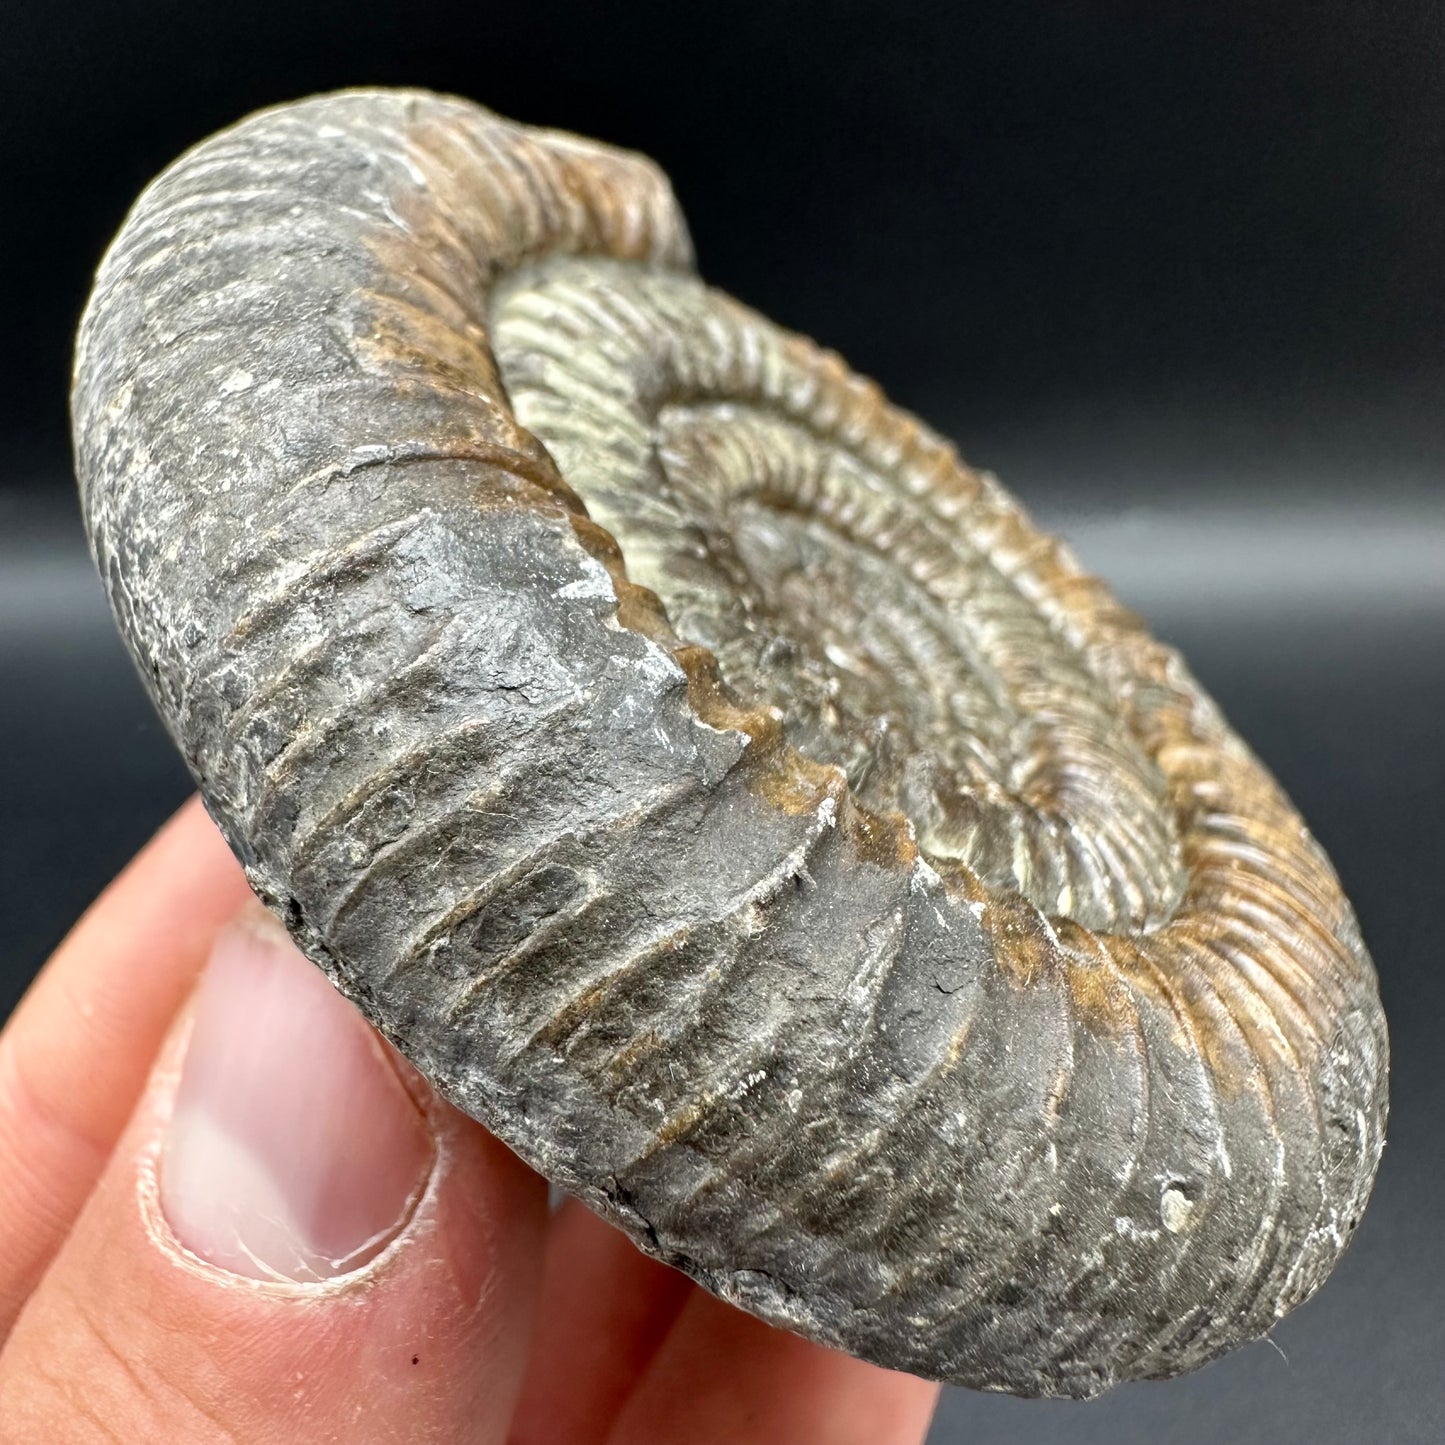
(724,1376)
(185,856)
(286,1234)
(292,1150)
(605,1309)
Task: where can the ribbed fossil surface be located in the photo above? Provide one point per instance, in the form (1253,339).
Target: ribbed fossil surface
(707,780)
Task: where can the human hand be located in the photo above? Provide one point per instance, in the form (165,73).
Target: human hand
(229,1212)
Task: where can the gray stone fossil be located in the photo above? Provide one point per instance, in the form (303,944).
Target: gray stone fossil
(712,784)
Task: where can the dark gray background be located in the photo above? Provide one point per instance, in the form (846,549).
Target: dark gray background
(1172,270)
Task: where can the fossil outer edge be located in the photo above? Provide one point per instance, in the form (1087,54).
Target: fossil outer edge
(1093,1091)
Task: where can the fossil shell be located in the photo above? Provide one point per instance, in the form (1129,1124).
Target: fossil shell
(707,780)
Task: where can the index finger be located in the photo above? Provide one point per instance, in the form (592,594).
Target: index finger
(75,1054)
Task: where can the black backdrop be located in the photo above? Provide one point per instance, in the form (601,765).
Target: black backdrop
(1171,269)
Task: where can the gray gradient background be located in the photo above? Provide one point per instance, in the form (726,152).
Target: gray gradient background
(1172,271)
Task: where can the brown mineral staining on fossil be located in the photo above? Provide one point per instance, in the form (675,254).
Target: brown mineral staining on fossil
(706,779)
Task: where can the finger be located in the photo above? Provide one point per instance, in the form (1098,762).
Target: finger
(604,1309)
(75,1054)
(724,1378)
(291,1242)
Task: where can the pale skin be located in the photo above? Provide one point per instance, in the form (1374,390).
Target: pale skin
(484,1318)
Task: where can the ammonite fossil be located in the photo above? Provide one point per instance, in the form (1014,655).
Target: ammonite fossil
(707,780)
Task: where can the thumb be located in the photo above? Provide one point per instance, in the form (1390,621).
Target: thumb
(292,1240)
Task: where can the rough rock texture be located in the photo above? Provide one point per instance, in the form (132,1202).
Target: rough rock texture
(713,785)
